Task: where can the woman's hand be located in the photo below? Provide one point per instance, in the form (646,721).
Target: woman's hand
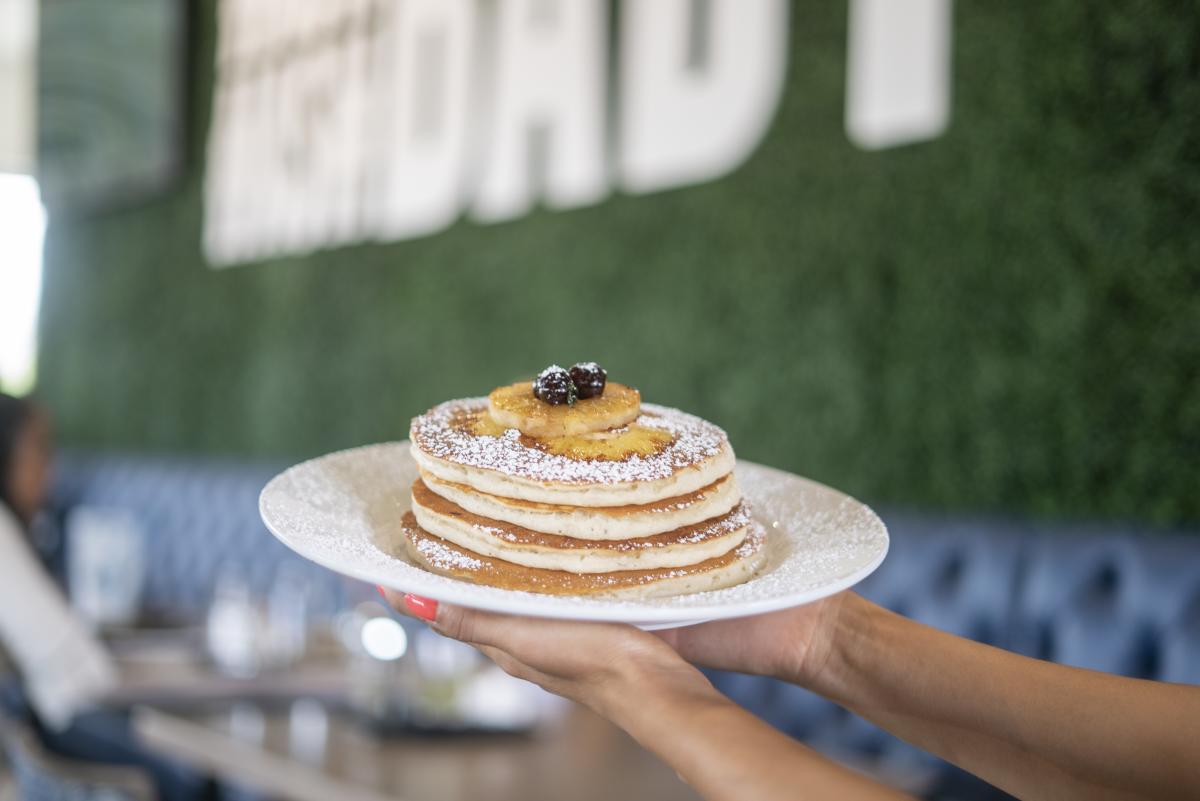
(601,665)
(793,644)
(641,683)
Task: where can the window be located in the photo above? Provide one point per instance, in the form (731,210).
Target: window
(22,223)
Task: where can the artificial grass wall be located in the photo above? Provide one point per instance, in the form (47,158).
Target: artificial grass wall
(1005,319)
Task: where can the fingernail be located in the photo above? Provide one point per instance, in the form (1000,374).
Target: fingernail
(424,608)
(382,591)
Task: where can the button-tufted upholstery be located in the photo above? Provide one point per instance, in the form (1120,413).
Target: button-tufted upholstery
(197,518)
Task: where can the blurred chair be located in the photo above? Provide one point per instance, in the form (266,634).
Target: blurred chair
(41,776)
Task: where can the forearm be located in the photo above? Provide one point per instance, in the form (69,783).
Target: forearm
(1035,729)
(725,753)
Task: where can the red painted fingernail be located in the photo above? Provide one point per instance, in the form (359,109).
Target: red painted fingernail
(382,591)
(424,608)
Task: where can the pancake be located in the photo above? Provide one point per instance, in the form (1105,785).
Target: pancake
(684,546)
(440,556)
(596,522)
(670,454)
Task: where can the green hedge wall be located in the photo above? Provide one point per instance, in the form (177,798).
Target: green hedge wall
(1006,319)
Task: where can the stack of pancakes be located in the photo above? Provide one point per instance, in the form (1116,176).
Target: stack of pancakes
(646,508)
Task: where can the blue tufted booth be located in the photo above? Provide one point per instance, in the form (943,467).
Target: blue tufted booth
(1108,598)
(196,518)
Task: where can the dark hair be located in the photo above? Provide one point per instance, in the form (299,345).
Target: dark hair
(14,415)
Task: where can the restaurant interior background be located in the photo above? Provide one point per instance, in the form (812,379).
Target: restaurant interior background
(981,320)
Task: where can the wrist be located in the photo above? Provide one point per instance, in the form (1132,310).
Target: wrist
(851,632)
(826,641)
(646,695)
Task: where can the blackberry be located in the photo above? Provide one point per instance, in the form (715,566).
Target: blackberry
(554,386)
(589,379)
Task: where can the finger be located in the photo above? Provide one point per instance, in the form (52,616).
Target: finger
(456,622)
(478,627)
(681,638)
(506,662)
(710,644)
(396,600)
(529,641)
(421,608)
(669,636)
(518,669)
(536,641)
(409,605)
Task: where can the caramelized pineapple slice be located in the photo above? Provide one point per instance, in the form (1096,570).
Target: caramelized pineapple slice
(516,407)
(617,445)
(613,445)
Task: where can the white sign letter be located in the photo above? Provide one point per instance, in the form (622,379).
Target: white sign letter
(423,88)
(549,89)
(699,84)
(898,72)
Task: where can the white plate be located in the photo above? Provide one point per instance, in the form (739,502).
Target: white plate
(343,511)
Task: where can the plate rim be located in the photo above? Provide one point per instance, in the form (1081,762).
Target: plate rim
(517,602)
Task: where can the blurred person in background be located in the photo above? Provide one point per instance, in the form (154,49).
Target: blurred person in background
(25,457)
(1033,728)
(64,667)
(65,670)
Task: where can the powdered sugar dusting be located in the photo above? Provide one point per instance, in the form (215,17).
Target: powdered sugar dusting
(754,540)
(344,511)
(446,558)
(440,434)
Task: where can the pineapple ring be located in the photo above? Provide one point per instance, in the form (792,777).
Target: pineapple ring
(615,444)
(515,406)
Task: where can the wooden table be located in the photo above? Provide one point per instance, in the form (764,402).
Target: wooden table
(578,758)
(283,736)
